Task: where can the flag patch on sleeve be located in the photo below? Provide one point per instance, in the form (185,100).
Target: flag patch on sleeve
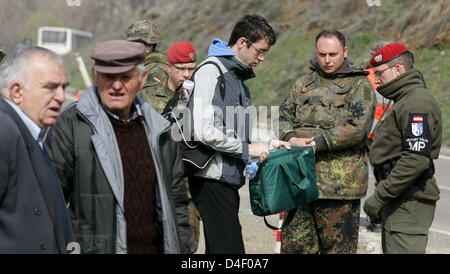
(418,119)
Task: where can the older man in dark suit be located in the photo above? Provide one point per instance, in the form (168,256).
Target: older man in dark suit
(33,216)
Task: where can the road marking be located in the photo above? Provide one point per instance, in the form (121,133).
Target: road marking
(444,187)
(447,233)
(441,187)
(444,157)
(364,220)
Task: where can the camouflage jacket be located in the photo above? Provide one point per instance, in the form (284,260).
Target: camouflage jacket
(156,92)
(339,111)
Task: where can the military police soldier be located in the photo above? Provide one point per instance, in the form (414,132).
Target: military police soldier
(147,33)
(333,104)
(402,153)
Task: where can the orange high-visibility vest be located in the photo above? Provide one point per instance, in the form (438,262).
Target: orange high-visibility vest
(382,104)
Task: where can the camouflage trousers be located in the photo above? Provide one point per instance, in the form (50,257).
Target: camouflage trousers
(323,226)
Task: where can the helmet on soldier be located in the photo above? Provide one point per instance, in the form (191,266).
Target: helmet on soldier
(378,45)
(143,31)
(373,48)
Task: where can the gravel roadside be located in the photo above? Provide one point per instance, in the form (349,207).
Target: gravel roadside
(259,239)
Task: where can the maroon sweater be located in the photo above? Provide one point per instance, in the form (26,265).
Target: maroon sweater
(140,184)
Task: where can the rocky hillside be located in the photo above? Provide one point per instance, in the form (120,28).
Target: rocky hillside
(424,26)
(417,23)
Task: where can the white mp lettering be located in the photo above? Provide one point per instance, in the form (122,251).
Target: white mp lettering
(417,146)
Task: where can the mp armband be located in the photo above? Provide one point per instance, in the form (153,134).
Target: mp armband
(417,136)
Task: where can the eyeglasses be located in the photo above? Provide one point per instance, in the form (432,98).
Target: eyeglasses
(260,52)
(380,72)
(179,69)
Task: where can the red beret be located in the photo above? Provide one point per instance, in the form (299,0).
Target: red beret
(387,53)
(181,52)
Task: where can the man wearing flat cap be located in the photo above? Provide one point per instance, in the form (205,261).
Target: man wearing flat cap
(119,168)
(405,144)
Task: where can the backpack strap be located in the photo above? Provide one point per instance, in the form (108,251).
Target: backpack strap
(287,221)
(221,77)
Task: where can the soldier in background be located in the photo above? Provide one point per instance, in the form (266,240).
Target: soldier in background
(181,65)
(333,104)
(147,33)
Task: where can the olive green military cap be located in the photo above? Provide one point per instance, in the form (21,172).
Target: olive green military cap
(143,31)
(378,45)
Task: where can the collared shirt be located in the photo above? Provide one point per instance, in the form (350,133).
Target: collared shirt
(37,133)
(137,113)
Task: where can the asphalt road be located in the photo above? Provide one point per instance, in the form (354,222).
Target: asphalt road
(442,218)
(259,239)
(441,223)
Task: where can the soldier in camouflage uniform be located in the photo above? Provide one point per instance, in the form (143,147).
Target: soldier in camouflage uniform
(333,103)
(155,90)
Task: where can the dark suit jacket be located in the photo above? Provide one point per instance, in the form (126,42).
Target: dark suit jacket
(33,217)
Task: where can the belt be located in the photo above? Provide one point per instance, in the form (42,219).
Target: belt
(381,172)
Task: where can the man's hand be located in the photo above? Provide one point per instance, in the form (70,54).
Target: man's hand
(302,142)
(278,143)
(372,207)
(258,150)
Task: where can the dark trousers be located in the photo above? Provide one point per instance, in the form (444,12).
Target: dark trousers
(406,226)
(218,205)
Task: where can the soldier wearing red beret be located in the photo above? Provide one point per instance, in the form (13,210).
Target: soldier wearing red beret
(402,153)
(180,65)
